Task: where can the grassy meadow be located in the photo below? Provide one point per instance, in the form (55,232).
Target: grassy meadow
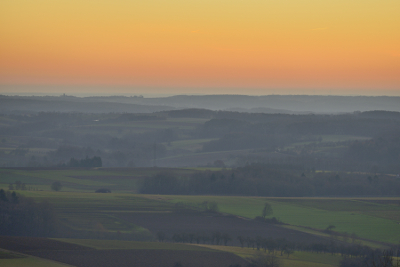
(355,217)
(83,180)
(347,215)
(78,207)
(375,221)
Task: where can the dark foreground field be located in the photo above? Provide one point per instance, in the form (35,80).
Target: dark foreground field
(81,256)
(31,244)
(141,258)
(209,223)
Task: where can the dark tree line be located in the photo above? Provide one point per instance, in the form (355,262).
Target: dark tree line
(267,180)
(354,255)
(18,185)
(22,216)
(215,238)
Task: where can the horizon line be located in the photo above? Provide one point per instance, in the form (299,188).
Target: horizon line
(164,95)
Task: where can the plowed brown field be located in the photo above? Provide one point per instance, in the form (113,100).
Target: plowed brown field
(208,223)
(142,258)
(27,244)
(81,256)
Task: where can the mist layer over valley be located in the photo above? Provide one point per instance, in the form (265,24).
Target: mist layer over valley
(194,180)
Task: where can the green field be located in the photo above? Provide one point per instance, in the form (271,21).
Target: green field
(368,220)
(354,219)
(375,219)
(314,213)
(84,180)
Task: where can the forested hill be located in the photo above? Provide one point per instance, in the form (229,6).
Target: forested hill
(72,104)
(294,103)
(285,104)
(359,141)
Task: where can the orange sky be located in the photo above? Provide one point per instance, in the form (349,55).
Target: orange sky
(202,46)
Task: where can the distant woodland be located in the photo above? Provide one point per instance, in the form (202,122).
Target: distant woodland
(361,141)
(284,104)
(260,154)
(272,181)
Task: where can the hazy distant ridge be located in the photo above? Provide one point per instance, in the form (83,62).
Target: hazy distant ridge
(242,103)
(297,103)
(58,104)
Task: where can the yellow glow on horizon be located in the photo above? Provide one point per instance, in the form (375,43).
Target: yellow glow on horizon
(220,43)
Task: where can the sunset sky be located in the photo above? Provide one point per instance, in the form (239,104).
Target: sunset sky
(201,46)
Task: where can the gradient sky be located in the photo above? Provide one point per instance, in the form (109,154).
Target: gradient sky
(201,46)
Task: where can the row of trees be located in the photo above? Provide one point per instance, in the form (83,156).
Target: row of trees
(216,238)
(354,255)
(376,259)
(269,180)
(18,185)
